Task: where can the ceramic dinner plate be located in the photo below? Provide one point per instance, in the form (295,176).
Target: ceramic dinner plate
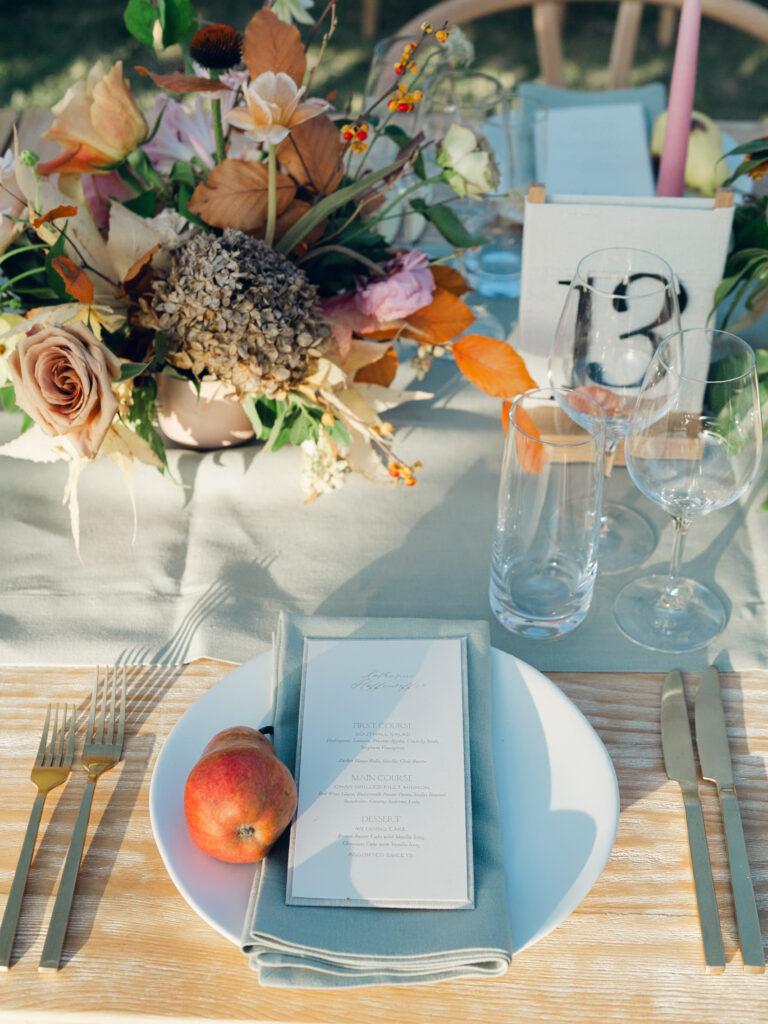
(557,791)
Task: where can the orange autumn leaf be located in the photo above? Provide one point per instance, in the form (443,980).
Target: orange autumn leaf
(273,45)
(531,456)
(442,320)
(76,282)
(505,407)
(450,279)
(235,196)
(381,372)
(311,154)
(54,214)
(141,262)
(179,82)
(492,365)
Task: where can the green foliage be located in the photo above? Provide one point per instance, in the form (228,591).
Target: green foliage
(447,223)
(176,17)
(8,403)
(141,416)
(279,422)
(733,408)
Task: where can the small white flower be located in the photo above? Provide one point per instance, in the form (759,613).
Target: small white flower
(294,10)
(322,468)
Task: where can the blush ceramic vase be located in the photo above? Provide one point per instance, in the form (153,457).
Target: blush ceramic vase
(214,418)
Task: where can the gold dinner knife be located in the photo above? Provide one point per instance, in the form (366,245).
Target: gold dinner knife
(715,761)
(677,745)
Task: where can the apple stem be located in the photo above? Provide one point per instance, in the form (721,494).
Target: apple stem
(267,730)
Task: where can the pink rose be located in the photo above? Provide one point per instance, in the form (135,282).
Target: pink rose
(62,378)
(407,287)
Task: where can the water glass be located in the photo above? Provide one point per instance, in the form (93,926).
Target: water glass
(544,554)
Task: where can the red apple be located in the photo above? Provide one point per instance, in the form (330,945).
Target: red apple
(239,797)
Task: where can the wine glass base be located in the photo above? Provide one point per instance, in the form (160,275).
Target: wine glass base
(627,539)
(675,627)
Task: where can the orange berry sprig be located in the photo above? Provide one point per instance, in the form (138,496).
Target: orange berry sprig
(404,101)
(355,136)
(406,59)
(401,471)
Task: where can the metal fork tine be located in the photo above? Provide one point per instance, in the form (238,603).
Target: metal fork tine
(43,738)
(47,774)
(102,750)
(92,713)
(70,752)
(102,706)
(121,717)
(57,741)
(111,722)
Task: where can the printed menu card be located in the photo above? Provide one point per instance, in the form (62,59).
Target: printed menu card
(384,814)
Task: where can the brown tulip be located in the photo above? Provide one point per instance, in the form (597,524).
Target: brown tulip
(97,122)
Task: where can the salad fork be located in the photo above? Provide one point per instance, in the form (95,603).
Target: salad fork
(102,750)
(52,767)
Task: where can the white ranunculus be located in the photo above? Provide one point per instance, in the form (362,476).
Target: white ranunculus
(468,163)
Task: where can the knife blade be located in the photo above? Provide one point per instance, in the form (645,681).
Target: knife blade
(677,746)
(715,761)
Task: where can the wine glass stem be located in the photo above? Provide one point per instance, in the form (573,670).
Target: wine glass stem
(610,455)
(672,596)
(610,458)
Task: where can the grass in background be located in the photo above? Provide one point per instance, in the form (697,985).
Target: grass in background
(46,46)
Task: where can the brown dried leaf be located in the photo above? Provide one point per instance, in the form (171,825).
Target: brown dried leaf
(141,262)
(76,281)
(311,154)
(381,372)
(235,196)
(54,214)
(273,45)
(292,215)
(450,279)
(179,82)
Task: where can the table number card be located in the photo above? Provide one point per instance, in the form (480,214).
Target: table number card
(384,815)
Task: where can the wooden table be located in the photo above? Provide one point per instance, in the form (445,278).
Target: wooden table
(136,952)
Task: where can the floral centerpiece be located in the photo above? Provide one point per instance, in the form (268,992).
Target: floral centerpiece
(235,232)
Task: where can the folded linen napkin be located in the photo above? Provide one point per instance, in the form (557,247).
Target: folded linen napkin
(537,96)
(333,947)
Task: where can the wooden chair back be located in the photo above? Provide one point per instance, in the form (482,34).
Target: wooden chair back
(743,15)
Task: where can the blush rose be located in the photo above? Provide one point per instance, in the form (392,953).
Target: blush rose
(62,379)
(408,286)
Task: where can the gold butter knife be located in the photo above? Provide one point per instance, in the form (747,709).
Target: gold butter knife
(678,760)
(715,761)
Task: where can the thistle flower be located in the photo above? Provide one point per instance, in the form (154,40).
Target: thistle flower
(217,47)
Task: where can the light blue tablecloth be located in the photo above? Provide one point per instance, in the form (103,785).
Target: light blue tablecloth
(216,559)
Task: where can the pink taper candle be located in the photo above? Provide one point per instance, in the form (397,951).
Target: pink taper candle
(681,90)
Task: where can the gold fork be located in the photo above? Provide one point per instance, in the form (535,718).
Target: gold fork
(102,750)
(52,767)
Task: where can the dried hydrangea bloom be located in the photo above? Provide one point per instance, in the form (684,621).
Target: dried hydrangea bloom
(235,309)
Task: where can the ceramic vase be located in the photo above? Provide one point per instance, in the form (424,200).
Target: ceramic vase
(214,418)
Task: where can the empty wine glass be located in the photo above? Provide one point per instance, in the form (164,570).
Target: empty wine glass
(693,446)
(621,303)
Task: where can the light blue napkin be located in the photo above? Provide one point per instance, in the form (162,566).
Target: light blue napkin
(652,97)
(335,947)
